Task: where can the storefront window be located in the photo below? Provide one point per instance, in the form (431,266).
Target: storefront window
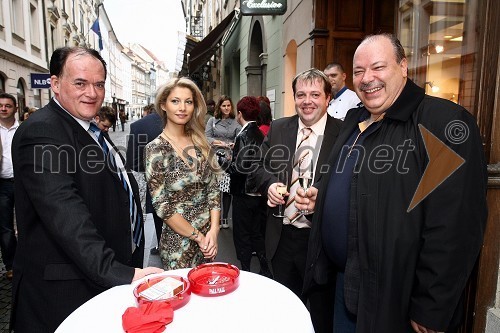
(440,42)
(37,98)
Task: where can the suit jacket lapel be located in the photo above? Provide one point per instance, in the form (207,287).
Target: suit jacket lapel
(332,130)
(289,138)
(131,178)
(349,124)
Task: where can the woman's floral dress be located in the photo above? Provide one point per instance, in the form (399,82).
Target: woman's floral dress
(186,186)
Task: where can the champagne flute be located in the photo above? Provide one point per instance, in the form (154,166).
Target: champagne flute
(281,188)
(305,181)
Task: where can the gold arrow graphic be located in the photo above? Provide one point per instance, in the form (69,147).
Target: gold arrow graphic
(443,162)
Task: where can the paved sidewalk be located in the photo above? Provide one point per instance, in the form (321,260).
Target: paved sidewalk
(5,298)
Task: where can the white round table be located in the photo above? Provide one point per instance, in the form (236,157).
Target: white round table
(259,305)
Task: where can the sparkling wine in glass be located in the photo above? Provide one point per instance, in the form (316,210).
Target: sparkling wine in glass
(281,188)
(305,181)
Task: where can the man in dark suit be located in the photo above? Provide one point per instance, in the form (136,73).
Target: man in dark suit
(142,132)
(77,236)
(304,134)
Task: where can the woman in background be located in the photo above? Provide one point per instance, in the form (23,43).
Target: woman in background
(265,117)
(249,206)
(221,131)
(182,178)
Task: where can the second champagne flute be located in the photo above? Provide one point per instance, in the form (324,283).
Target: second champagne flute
(305,181)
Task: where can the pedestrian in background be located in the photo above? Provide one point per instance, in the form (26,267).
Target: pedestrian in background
(142,132)
(123,119)
(105,118)
(221,130)
(148,109)
(343,99)
(249,206)
(182,176)
(210,110)
(8,126)
(265,117)
(401,264)
(77,209)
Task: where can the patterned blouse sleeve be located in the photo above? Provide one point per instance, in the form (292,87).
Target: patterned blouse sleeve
(214,191)
(157,159)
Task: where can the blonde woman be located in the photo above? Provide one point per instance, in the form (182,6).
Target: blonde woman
(182,178)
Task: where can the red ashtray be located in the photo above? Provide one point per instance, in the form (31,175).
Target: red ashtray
(176,302)
(214,279)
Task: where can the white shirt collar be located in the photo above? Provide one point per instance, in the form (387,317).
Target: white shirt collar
(84,123)
(13,127)
(318,128)
(244,126)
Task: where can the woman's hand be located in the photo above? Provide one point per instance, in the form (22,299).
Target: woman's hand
(219,143)
(208,244)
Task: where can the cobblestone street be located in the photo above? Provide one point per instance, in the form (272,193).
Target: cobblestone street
(5,296)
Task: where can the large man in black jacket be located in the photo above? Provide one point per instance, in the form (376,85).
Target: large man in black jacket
(402,212)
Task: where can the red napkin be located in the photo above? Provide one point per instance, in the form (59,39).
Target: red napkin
(149,317)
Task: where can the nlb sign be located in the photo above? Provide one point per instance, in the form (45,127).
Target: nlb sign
(40,81)
(263,7)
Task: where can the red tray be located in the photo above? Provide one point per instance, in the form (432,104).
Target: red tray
(175,302)
(214,279)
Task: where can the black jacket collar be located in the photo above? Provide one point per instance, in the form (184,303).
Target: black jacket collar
(407,102)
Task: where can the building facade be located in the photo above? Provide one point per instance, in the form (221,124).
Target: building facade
(30,30)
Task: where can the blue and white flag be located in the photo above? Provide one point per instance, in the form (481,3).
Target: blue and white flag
(95,28)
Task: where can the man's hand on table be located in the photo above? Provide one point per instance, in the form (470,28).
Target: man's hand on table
(140,273)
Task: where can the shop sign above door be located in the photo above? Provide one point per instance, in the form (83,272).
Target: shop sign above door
(263,7)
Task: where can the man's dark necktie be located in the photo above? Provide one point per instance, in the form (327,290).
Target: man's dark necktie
(135,219)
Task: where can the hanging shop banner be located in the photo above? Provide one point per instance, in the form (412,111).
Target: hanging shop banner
(263,7)
(40,81)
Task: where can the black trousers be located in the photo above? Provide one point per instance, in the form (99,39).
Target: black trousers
(248,214)
(8,240)
(289,265)
(226,204)
(289,261)
(158,226)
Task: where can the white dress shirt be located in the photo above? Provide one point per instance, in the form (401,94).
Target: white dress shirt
(344,101)
(6,136)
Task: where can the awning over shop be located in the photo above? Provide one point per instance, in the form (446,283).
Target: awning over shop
(208,45)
